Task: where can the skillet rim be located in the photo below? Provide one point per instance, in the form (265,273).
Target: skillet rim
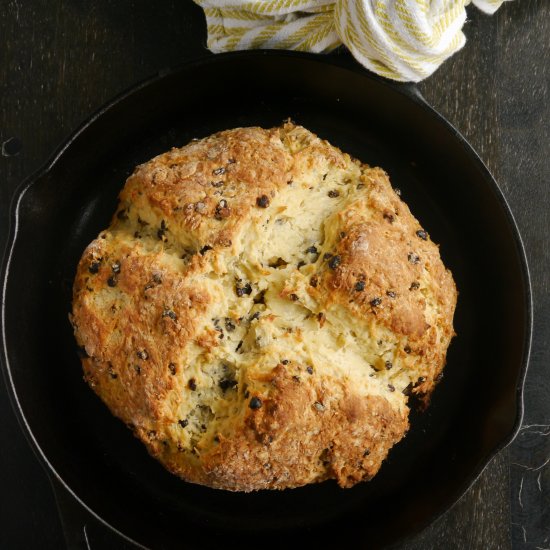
(410,93)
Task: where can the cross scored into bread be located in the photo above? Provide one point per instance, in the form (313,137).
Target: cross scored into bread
(261,309)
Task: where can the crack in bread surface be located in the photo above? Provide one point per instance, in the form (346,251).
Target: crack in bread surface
(263,265)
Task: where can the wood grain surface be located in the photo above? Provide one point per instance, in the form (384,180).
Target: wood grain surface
(61,60)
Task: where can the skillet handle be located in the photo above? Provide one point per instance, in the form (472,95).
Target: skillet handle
(343,58)
(81,530)
(74,519)
(410,89)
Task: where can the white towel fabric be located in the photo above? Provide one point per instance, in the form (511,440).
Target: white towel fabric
(405,40)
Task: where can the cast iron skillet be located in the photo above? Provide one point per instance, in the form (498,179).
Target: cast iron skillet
(476,409)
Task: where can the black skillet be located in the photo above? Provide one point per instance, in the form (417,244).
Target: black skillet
(476,409)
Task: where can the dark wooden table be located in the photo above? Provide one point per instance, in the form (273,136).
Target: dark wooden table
(61,60)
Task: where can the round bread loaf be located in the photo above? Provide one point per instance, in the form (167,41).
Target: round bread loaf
(261,309)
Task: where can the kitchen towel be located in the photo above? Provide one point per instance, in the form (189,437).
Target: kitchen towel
(405,40)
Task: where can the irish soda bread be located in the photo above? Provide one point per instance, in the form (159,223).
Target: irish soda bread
(260,310)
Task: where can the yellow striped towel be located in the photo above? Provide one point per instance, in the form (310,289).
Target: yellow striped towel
(404,40)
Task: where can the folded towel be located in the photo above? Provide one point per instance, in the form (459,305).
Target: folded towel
(404,40)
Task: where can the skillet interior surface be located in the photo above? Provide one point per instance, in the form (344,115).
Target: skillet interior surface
(475,409)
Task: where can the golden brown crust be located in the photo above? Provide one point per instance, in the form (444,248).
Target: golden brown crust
(208,188)
(259,310)
(391,259)
(304,434)
(131,335)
